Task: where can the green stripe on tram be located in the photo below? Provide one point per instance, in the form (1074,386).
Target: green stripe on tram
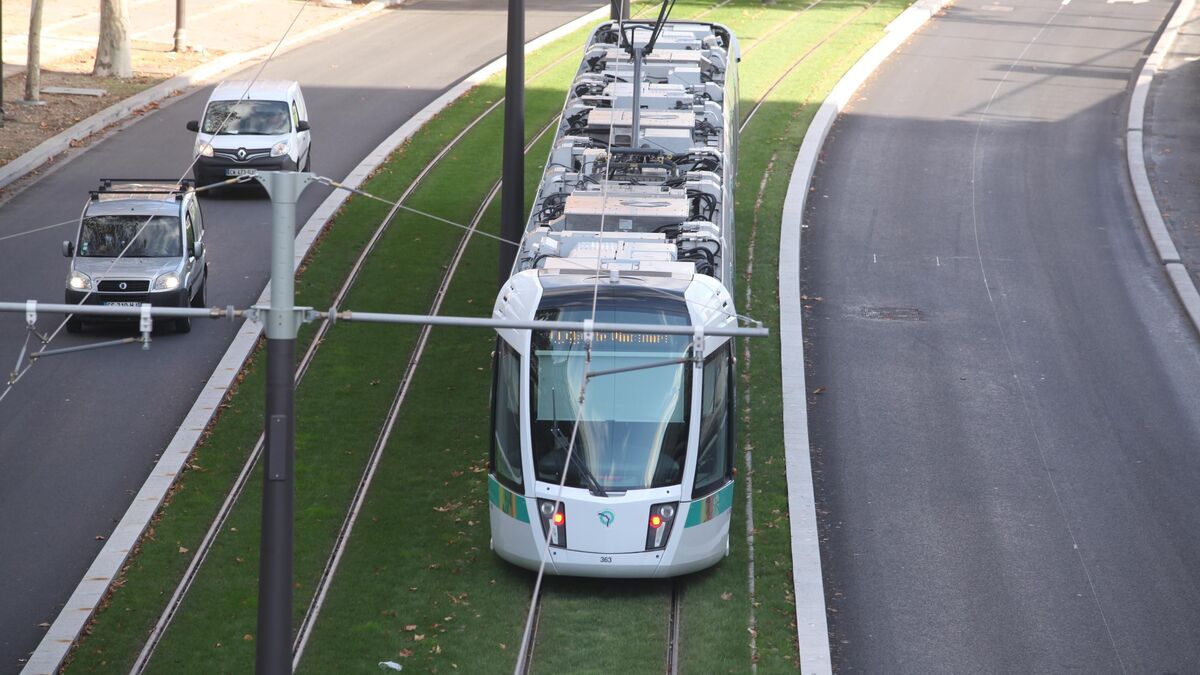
(507,501)
(704,510)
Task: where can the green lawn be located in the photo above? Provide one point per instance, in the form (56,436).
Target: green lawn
(418,583)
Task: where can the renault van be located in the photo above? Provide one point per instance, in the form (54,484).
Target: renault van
(139,241)
(249,127)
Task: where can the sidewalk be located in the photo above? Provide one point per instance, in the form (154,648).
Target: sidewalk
(69,36)
(69,27)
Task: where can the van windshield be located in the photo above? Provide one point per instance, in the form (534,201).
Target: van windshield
(111,236)
(246,118)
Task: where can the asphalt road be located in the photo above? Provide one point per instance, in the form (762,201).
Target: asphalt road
(1008,448)
(81,432)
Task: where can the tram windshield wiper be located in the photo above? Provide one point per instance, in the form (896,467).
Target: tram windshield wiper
(561,443)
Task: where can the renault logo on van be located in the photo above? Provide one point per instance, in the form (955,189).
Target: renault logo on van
(241,153)
(606,517)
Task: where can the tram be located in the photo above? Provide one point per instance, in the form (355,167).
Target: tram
(633,223)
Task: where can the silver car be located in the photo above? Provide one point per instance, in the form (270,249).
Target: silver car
(139,241)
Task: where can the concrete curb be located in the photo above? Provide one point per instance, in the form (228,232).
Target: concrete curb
(108,563)
(52,147)
(1135,156)
(812,630)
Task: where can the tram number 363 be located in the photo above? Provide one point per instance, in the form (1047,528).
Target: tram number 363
(606,558)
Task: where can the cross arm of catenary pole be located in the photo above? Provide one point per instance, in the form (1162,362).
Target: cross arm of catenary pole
(308,314)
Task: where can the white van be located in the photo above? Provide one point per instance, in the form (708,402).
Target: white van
(250,127)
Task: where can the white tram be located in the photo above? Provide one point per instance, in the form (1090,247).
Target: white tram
(636,234)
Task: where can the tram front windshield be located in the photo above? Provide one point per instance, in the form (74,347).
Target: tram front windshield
(632,424)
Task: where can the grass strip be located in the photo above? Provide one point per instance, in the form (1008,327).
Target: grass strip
(417,582)
(768,153)
(341,403)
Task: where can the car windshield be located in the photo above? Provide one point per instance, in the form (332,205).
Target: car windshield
(632,424)
(110,236)
(261,118)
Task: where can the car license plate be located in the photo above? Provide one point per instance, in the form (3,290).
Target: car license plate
(125,303)
(241,172)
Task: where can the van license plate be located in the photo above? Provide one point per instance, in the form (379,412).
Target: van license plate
(241,172)
(123,304)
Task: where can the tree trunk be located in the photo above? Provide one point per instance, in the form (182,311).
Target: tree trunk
(113,53)
(33,70)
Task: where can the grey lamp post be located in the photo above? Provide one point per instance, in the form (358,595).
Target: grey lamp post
(512,195)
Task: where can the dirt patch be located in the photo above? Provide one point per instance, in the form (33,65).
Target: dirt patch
(25,126)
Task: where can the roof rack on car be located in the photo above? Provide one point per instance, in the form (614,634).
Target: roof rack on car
(143,187)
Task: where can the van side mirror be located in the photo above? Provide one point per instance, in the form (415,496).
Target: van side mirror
(198,249)
(194,125)
(302,125)
(68,249)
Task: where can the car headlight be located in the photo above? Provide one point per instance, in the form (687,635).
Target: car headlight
(279,149)
(79,281)
(166,282)
(204,150)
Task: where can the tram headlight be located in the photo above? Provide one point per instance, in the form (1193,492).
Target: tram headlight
(658,530)
(554,522)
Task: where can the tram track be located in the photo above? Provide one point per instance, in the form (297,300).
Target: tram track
(525,657)
(385,431)
(803,57)
(306,360)
(671,652)
(674,620)
(364,484)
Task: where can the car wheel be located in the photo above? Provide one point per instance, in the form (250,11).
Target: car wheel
(74,325)
(183,325)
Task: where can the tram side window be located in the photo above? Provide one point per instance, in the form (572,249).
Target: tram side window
(715,459)
(506,416)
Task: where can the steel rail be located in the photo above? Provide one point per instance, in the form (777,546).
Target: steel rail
(525,656)
(803,57)
(185,583)
(674,618)
(206,544)
(364,484)
(529,639)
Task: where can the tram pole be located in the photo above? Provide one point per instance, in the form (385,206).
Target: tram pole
(619,10)
(281,323)
(512,195)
